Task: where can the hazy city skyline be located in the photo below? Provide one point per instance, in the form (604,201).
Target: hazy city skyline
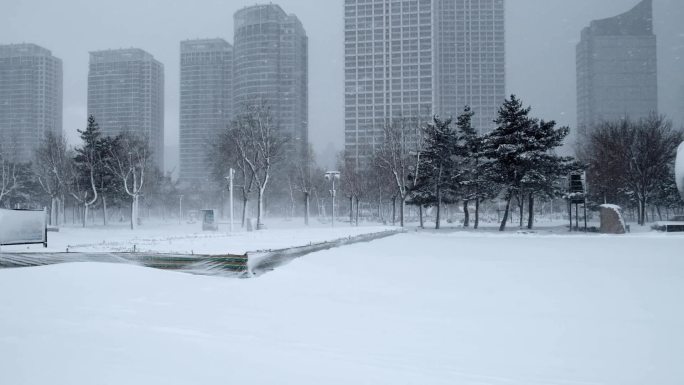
(540,67)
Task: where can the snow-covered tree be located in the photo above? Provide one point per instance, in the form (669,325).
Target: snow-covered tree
(9,180)
(128,160)
(301,179)
(353,183)
(400,154)
(260,146)
(87,165)
(521,155)
(438,180)
(51,166)
(224,155)
(632,159)
(476,184)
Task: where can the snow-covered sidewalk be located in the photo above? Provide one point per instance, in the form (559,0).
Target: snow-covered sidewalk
(189,239)
(417,308)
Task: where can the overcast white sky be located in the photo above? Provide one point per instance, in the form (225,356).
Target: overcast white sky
(541,39)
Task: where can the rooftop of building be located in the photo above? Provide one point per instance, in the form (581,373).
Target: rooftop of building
(261,13)
(205,45)
(122,54)
(23,49)
(638,21)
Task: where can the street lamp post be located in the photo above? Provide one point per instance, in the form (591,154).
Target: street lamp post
(332,176)
(230,178)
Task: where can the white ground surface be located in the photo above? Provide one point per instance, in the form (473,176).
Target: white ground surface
(418,308)
(189,239)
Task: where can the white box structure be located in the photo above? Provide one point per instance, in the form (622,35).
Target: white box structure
(23,227)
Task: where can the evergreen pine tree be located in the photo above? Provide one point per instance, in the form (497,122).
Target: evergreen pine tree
(522,158)
(88,164)
(437,181)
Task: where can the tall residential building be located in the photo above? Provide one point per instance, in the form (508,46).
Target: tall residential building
(206,102)
(414,58)
(271,66)
(389,57)
(470,59)
(126,93)
(617,75)
(30,99)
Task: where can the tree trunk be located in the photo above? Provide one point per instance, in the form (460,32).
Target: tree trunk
(245,203)
(477,213)
(54,203)
(402,210)
(62,211)
(85,215)
(292,201)
(260,209)
(420,214)
(134,212)
(394,210)
(521,206)
(306,208)
(357,211)
(104,210)
(466,214)
(438,220)
(530,212)
(508,207)
(381,215)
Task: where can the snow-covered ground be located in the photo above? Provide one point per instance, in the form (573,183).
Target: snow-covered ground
(417,308)
(190,239)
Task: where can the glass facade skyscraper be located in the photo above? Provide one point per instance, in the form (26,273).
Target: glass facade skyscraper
(30,99)
(206,102)
(126,93)
(617,69)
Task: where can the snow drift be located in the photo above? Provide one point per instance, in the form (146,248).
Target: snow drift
(679,169)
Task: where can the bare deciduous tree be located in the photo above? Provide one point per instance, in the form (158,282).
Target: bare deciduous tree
(9,180)
(259,145)
(631,159)
(400,156)
(303,180)
(51,167)
(128,159)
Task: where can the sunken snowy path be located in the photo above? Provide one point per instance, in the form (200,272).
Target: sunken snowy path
(418,308)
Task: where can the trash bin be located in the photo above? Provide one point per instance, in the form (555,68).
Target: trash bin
(209,221)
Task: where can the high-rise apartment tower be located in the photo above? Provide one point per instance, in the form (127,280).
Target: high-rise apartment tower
(206,103)
(126,93)
(30,99)
(271,68)
(411,59)
(617,69)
